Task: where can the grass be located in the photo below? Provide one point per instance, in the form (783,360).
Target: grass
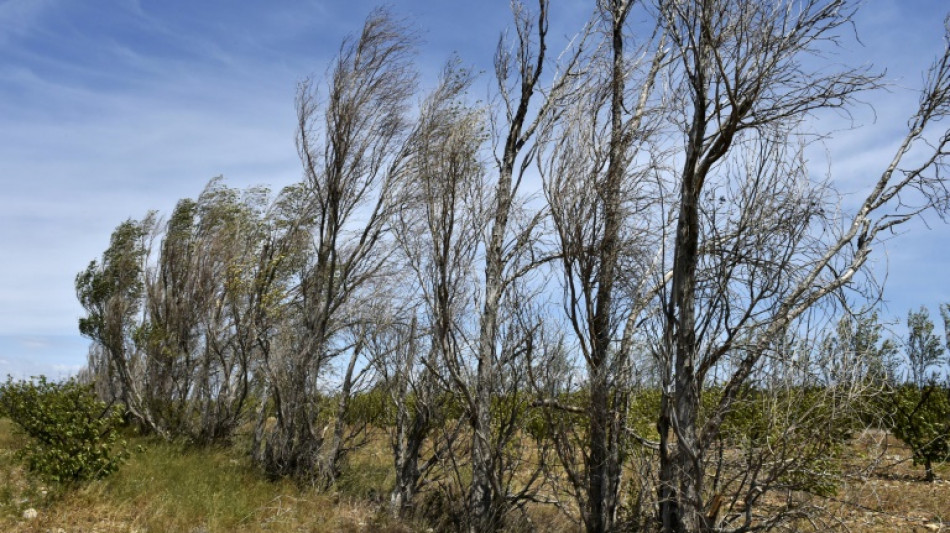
(171,487)
(893,495)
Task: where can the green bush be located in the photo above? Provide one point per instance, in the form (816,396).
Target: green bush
(373,407)
(921,419)
(73,436)
(794,434)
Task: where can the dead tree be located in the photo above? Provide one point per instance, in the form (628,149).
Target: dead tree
(756,242)
(438,233)
(523,102)
(597,179)
(351,154)
(744,269)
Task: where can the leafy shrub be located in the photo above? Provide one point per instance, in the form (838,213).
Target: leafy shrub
(921,419)
(73,435)
(790,436)
(373,407)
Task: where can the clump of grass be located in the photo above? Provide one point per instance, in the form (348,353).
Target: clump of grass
(170,487)
(18,490)
(368,472)
(177,487)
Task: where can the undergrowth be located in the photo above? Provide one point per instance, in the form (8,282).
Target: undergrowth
(172,487)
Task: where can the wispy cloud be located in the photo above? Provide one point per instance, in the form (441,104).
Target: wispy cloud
(55,356)
(20,17)
(34,343)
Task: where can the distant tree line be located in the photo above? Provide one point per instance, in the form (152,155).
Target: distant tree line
(613,288)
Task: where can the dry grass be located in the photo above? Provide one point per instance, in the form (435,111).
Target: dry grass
(892,496)
(167,487)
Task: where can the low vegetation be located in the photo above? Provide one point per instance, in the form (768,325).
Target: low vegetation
(165,487)
(171,487)
(73,436)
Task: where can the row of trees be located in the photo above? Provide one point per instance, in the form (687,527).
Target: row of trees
(568,294)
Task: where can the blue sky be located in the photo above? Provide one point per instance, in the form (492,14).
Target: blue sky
(110,108)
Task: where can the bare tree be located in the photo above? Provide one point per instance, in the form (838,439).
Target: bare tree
(739,281)
(396,348)
(597,178)
(758,243)
(439,234)
(505,339)
(523,104)
(350,163)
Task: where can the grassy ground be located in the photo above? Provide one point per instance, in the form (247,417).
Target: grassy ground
(892,496)
(167,487)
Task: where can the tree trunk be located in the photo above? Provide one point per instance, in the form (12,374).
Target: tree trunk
(332,456)
(602,484)
(409,442)
(681,470)
(482,495)
(604,464)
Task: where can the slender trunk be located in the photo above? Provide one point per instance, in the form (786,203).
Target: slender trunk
(404,465)
(604,468)
(485,515)
(669,511)
(482,495)
(411,431)
(260,426)
(681,467)
(333,455)
(409,445)
(681,471)
(600,503)
(486,504)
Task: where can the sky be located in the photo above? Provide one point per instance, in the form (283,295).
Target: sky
(112,108)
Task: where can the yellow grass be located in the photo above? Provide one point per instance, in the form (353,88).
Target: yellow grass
(168,487)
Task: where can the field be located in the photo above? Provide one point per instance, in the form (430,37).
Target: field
(169,487)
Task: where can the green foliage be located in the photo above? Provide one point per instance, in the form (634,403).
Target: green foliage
(923,346)
(799,431)
(859,352)
(373,407)
(644,412)
(921,419)
(114,286)
(919,410)
(73,435)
